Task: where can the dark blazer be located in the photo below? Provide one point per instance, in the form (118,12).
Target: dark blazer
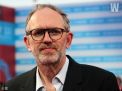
(79,78)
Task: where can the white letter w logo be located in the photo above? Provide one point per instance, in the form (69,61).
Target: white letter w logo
(114,7)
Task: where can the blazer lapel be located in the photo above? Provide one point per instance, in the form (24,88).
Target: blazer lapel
(72,83)
(73,78)
(30,82)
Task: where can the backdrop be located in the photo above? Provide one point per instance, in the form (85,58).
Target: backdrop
(97,29)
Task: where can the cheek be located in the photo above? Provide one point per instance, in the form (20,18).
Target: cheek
(62,45)
(35,48)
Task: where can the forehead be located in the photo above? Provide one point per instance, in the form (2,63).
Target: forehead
(45,18)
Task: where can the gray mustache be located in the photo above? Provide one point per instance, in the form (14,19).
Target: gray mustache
(47,46)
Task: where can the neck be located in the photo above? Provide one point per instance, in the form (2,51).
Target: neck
(48,72)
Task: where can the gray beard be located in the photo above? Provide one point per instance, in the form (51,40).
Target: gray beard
(47,59)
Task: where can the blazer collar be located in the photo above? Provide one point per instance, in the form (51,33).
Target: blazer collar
(72,82)
(74,76)
(30,81)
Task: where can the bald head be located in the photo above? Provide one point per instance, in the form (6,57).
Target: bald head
(45,12)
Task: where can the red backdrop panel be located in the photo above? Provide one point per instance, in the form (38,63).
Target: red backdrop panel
(7,14)
(7,62)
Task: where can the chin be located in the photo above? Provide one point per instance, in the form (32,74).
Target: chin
(49,59)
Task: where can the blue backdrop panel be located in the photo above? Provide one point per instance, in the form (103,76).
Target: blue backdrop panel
(97,36)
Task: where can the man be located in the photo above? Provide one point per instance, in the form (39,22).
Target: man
(48,36)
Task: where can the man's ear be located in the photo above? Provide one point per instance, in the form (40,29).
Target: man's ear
(26,41)
(69,39)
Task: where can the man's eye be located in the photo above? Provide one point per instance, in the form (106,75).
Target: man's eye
(38,33)
(55,32)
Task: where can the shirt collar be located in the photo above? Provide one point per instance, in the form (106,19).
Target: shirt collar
(38,80)
(61,75)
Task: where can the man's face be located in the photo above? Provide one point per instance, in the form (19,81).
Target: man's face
(47,51)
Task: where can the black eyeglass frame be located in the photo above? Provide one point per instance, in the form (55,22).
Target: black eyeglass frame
(46,30)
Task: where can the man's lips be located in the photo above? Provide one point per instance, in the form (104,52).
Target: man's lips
(47,49)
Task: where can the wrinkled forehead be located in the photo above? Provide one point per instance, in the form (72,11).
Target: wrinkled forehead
(45,18)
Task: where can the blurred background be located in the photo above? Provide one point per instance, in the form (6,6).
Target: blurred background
(97,28)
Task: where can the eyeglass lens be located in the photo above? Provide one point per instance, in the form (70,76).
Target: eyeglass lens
(54,33)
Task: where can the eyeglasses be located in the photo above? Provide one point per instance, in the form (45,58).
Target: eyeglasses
(39,33)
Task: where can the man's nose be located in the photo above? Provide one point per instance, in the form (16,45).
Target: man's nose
(47,37)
